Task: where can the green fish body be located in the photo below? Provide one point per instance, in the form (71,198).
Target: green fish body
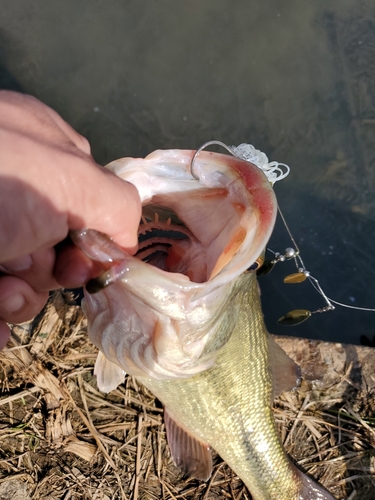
(233,399)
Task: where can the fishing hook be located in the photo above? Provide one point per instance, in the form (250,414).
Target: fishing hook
(273,170)
(199,150)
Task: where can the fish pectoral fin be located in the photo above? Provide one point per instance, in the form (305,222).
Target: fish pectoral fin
(108,374)
(190,454)
(286,373)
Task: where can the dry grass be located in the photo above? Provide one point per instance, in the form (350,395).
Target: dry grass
(60,438)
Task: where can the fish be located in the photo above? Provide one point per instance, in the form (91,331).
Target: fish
(183,315)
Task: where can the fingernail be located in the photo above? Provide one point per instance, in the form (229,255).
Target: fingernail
(12,304)
(19,264)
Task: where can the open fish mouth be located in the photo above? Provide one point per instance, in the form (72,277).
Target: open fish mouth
(174,248)
(161,242)
(195,229)
(186,245)
(196,232)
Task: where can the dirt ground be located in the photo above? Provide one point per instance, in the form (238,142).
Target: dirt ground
(60,438)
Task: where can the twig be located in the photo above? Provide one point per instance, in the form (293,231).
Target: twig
(138,458)
(20,395)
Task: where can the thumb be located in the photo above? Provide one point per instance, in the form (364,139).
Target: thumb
(100,200)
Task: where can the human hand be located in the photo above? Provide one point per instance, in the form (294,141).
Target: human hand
(49,185)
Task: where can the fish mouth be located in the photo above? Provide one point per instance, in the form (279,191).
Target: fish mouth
(196,249)
(203,229)
(157,235)
(169,244)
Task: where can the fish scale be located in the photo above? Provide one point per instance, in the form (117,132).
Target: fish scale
(233,399)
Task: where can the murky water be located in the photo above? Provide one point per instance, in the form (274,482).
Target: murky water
(295,78)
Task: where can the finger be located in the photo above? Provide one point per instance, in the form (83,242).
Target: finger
(73,269)
(31,115)
(79,193)
(104,202)
(36,269)
(4,334)
(62,188)
(18,301)
(77,139)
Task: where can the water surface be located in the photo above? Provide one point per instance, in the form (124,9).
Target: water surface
(294,78)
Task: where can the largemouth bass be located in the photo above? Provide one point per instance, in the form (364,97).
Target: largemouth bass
(184,316)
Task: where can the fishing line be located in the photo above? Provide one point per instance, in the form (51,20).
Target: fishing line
(297,316)
(275,172)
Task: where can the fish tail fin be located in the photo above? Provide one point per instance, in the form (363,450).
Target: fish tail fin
(311,490)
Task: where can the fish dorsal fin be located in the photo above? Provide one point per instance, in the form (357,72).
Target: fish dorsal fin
(190,454)
(108,374)
(286,373)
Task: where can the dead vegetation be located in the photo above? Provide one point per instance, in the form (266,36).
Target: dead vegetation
(60,438)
